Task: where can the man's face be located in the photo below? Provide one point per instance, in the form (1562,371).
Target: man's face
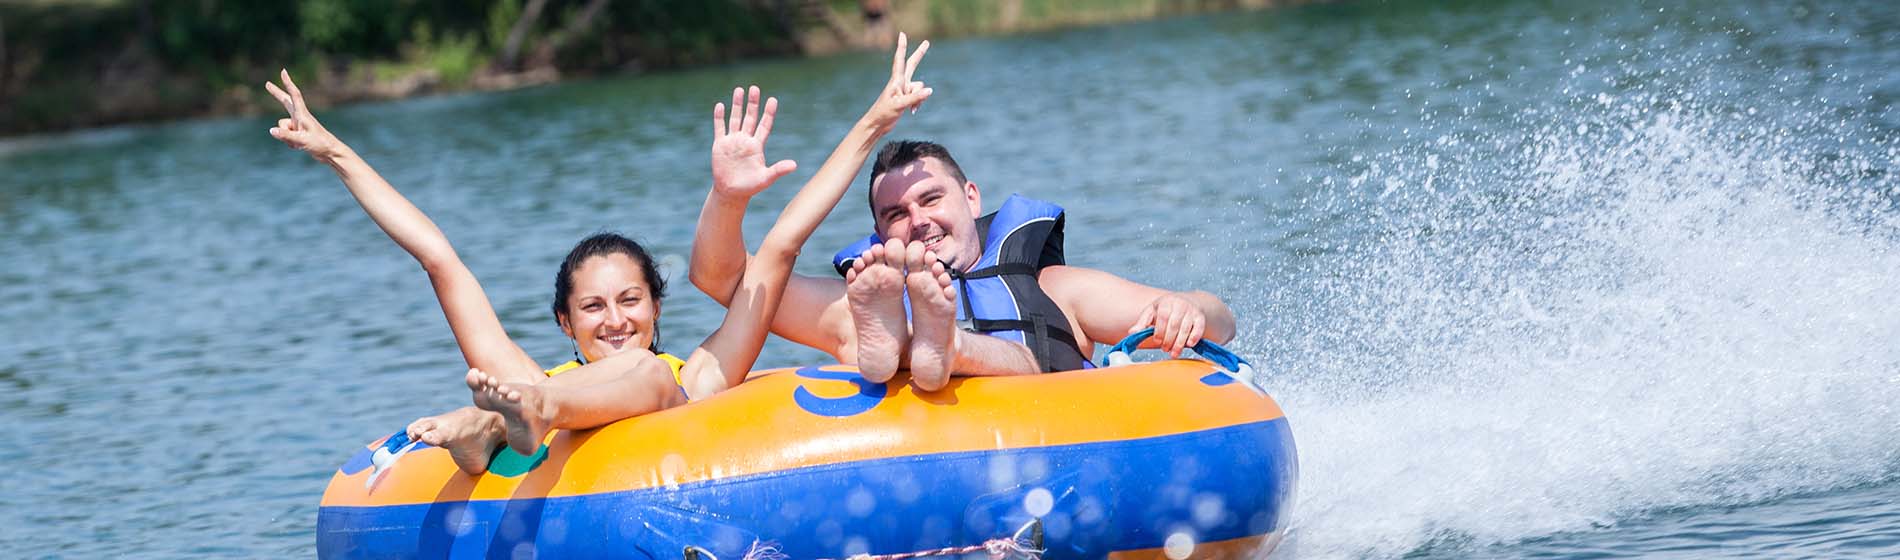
(923,201)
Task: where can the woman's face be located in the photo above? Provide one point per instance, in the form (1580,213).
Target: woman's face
(611,309)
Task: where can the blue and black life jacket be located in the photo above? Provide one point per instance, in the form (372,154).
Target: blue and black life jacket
(1000,295)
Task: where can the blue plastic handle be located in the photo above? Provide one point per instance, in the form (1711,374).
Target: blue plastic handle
(1206,348)
(396,441)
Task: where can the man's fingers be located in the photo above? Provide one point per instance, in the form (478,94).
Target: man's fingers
(1180,321)
(783,168)
(738,100)
(719,121)
(910,66)
(751,121)
(1184,330)
(1194,334)
(1147,316)
(1164,327)
(765,121)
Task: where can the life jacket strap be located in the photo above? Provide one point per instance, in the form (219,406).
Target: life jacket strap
(1039,335)
(999,270)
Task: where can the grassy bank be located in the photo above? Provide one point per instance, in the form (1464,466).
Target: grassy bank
(76,63)
(68,64)
(949,18)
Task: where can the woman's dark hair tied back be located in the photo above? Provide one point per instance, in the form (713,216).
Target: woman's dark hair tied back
(600,245)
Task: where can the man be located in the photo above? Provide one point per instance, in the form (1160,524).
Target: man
(928,253)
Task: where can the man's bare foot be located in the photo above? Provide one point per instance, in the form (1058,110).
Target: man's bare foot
(875,290)
(468,433)
(933,327)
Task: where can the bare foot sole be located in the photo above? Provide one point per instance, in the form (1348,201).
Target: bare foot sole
(522,414)
(469,434)
(933,327)
(482,385)
(875,291)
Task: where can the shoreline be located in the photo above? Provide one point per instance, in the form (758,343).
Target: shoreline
(129,82)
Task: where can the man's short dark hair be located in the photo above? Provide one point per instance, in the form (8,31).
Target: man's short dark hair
(901,153)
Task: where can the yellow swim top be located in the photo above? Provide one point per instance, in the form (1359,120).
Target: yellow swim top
(671,362)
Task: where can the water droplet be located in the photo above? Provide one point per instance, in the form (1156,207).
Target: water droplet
(672,467)
(860,503)
(1209,509)
(1038,502)
(1179,546)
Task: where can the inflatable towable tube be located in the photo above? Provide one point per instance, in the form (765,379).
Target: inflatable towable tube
(1172,459)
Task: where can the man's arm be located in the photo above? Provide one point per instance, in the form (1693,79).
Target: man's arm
(719,253)
(811,311)
(982,355)
(719,258)
(1108,307)
(732,349)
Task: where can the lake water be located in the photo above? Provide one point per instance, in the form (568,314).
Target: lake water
(1532,279)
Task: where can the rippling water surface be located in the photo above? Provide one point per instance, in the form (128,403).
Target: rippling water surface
(1538,279)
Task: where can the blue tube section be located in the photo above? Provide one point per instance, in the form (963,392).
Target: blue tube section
(1093,498)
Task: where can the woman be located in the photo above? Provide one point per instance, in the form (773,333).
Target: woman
(607,293)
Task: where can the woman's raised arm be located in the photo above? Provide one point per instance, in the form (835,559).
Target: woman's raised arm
(478,331)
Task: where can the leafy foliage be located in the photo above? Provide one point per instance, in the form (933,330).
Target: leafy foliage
(207,47)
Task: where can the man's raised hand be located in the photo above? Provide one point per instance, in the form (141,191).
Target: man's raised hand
(738,149)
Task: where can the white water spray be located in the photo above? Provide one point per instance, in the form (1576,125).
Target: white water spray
(1658,306)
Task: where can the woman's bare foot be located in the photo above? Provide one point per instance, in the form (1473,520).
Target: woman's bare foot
(875,290)
(523,412)
(468,433)
(481,386)
(933,327)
